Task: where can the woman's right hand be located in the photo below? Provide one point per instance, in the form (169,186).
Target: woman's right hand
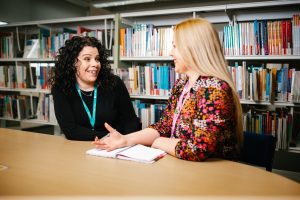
(112,140)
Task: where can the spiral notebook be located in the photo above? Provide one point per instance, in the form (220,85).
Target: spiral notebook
(137,153)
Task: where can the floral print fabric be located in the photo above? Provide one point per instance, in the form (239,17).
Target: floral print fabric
(206,124)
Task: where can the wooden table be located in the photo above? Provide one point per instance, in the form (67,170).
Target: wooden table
(49,166)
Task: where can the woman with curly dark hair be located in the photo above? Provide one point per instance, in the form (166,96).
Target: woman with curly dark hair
(86,94)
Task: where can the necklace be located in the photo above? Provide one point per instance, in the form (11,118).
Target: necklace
(88,94)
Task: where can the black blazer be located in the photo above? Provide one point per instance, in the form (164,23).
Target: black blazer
(113,106)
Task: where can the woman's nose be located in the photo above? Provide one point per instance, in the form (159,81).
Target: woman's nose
(95,62)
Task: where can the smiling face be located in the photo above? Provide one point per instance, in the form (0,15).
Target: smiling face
(88,67)
(178,61)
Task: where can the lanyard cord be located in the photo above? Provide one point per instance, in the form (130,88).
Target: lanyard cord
(92,117)
(179,106)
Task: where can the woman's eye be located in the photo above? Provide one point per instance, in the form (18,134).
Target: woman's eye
(87,59)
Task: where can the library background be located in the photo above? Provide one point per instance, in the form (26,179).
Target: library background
(261,42)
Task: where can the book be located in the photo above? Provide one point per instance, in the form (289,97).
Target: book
(137,153)
(31,49)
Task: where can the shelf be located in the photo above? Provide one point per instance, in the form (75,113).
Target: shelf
(215,13)
(110,58)
(263,57)
(259,57)
(275,103)
(153,58)
(46,91)
(9,119)
(65,20)
(149,97)
(214,8)
(294,149)
(38,121)
(27,60)
(161,58)
(174,11)
(262,4)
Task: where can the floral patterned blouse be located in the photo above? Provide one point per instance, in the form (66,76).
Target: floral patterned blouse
(206,124)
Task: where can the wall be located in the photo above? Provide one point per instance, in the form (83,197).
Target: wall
(33,10)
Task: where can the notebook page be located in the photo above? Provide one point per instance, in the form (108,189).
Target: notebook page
(133,159)
(141,153)
(104,153)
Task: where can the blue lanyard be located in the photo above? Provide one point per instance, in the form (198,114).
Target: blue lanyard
(92,119)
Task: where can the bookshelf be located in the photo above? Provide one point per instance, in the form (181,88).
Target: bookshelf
(37,107)
(220,16)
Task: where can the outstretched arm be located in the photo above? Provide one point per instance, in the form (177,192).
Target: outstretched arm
(116,140)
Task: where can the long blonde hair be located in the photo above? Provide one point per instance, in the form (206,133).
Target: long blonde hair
(200,48)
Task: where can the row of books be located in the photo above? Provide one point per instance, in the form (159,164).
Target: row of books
(27,107)
(151,79)
(148,113)
(278,123)
(262,37)
(46,42)
(23,76)
(50,42)
(145,40)
(45,108)
(267,82)
(6,45)
(296,33)
(259,38)
(13,76)
(40,74)
(57,40)
(14,106)
(250,38)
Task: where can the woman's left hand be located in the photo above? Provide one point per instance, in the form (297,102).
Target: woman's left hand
(111,141)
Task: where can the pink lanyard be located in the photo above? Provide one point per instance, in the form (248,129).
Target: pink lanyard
(179,106)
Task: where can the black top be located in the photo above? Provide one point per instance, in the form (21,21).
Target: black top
(113,107)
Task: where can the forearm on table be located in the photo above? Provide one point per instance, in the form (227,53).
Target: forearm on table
(166,144)
(151,137)
(145,137)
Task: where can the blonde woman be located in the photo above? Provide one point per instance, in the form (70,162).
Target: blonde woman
(203,115)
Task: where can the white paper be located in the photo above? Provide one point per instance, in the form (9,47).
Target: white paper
(104,153)
(137,153)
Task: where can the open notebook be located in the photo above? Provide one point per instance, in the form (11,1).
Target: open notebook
(138,153)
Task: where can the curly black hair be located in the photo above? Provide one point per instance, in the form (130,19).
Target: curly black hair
(63,75)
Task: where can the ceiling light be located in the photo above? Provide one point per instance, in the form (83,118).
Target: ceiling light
(3,23)
(120,3)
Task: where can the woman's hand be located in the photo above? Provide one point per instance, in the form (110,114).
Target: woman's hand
(111,141)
